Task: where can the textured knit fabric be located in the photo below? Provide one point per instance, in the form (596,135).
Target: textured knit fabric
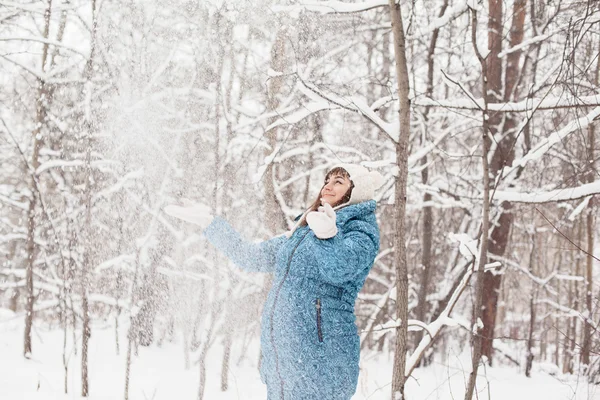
(365,182)
(310,344)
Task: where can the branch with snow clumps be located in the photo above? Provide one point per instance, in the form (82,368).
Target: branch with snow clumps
(527,105)
(556,195)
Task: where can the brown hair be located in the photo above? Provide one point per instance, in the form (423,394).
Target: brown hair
(345,198)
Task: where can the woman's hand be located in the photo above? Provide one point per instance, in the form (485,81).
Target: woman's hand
(322,222)
(196,213)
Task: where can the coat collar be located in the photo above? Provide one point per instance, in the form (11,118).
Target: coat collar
(343,213)
(363,208)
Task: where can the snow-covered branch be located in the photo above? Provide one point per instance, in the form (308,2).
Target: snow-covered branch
(299,114)
(332,7)
(555,137)
(71,164)
(569,311)
(13,203)
(528,105)
(435,327)
(352,103)
(451,13)
(44,41)
(563,194)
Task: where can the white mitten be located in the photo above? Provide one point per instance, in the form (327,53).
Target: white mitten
(322,222)
(196,213)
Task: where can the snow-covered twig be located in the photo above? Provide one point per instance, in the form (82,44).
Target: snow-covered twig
(44,41)
(526,105)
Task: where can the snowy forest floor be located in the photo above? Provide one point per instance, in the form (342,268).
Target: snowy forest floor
(160,373)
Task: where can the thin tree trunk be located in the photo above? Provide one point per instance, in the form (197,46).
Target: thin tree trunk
(557,328)
(118,288)
(215,200)
(89,243)
(587,329)
(530,336)
(570,333)
(131,331)
(316,137)
(226,359)
(476,330)
(576,304)
(14,293)
(274,218)
(399,373)
(128,366)
(427,238)
(65,358)
(30,247)
(589,227)
(215,311)
(532,310)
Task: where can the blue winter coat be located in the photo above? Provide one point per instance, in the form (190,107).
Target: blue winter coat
(310,344)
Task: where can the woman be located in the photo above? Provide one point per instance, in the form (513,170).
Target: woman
(310,344)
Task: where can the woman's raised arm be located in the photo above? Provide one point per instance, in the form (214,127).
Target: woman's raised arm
(255,257)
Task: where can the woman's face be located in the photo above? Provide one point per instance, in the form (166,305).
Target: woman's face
(334,189)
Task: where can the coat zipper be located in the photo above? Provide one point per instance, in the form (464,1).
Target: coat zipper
(319,331)
(287,271)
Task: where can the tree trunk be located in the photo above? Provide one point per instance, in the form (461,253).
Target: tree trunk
(576,296)
(501,125)
(476,328)
(274,218)
(30,247)
(558,333)
(131,331)
(226,358)
(591,172)
(14,293)
(88,125)
(532,310)
(427,226)
(399,377)
(571,327)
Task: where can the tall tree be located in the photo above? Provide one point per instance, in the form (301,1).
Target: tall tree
(476,328)
(502,128)
(403,89)
(37,137)
(88,239)
(427,262)
(590,227)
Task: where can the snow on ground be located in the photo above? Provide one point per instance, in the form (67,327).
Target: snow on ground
(159,373)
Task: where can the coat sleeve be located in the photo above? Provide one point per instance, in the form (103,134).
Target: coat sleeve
(255,257)
(353,249)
